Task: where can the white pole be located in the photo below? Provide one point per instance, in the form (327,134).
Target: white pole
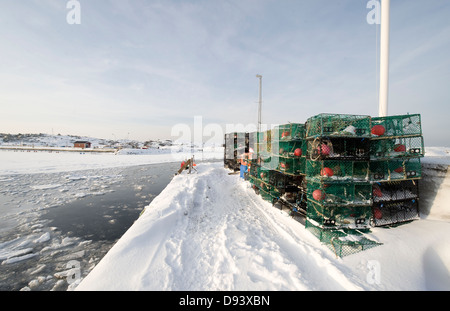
(384,59)
(260,102)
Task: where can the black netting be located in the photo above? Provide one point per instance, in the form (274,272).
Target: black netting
(389,213)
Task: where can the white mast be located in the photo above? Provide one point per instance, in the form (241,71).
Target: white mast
(260,102)
(384,59)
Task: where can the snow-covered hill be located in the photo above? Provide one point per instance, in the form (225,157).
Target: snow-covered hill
(210,231)
(63,143)
(46,140)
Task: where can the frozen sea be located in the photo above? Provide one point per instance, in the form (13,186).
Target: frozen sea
(55,226)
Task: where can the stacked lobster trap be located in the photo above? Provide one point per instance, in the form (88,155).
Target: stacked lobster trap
(278,166)
(235,145)
(395,151)
(339,191)
(340,174)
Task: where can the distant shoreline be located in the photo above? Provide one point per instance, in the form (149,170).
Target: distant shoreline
(58,149)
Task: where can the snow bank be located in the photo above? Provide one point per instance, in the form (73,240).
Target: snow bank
(210,231)
(434,188)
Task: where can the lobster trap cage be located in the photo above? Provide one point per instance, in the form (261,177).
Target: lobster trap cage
(236,144)
(342,173)
(264,137)
(291,148)
(278,180)
(261,173)
(294,194)
(340,216)
(395,191)
(333,170)
(262,158)
(289,166)
(341,242)
(268,192)
(229,146)
(340,148)
(391,213)
(290,131)
(338,125)
(395,170)
(398,147)
(253,142)
(400,125)
(339,193)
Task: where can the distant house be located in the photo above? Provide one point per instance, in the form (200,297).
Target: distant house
(82,144)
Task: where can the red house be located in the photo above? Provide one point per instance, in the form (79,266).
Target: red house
(82,144)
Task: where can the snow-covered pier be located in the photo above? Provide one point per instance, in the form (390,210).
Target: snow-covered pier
(210,231)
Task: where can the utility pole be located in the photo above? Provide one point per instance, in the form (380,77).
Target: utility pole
(260,102)
(384,59)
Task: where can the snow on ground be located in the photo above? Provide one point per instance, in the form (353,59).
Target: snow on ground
(210,231)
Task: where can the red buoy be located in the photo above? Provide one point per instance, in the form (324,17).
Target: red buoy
(318,195)
(324,149)
(377,213)
(377,192)
(399,148)
(378,130)
(298,152)
(327,172)
(399,169)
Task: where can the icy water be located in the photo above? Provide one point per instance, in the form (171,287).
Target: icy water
(54,228)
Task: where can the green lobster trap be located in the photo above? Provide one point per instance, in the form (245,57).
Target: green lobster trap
(278,179)
(343,242)
(338,125)
(395,191)
(290,166)
(291,148)
(253,170)
(295,198)
(391,213)
(290,131)
(263,174)
(393,126)
(333,170)
(235,145)
(264,137)
(339,193)
(399,147)
(339,148)
(395,170)
(268,192)
(340,216)
(253,142)
(263,158)
(253,181)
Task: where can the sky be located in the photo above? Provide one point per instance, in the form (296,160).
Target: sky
(172,69)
